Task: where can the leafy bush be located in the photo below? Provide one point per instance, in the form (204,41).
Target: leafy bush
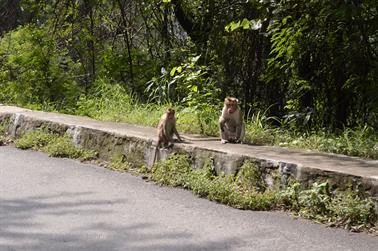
(118,162)
(63,147)
(226,189)
(350,210)
(36,72)
(54,145)
(249,178)
(314,202)
(35,139)
(173,171)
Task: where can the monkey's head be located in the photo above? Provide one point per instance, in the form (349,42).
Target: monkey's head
(231,104)
(170,113)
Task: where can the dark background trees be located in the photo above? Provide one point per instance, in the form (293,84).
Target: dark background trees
(310,62)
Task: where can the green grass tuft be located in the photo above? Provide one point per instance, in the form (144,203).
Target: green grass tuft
(65,148)
(54,145)
(34,139)
(119,162)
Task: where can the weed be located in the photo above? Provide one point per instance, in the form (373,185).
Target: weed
(289,197)
(34,139)
(119,162)
(226,189)
(54,145)
(348,209)
(2,134)
(144,171)
(63,147)
(249,178)
(199,181)
(314,202)
(173,171)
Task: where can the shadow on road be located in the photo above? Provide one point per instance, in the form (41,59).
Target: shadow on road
(54,223)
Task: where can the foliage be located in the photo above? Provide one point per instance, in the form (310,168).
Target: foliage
(2,134)
(258,130)
(249,178)
(308,67)
(35,71)
(54,145)
(354,142)
(119,162)
(63,147)
(35,139)
(176,171)
(104,99)
(347,208)
(351,210)
(314,201)
(172,172)
(190,85)
(324,55)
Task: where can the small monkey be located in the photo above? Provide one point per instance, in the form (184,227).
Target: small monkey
(231,124)
(166,129)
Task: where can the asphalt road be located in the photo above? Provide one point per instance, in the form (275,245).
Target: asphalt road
(61,204)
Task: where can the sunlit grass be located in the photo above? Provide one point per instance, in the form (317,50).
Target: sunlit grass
(54,145)
(112,103)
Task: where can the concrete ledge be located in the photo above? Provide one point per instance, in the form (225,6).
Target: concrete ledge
(137,144)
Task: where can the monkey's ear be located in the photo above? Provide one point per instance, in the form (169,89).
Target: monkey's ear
(228,99)
(237,101)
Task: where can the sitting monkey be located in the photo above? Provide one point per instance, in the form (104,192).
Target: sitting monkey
(166,129)
(231,124)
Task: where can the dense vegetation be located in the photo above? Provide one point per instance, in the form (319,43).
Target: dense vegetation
(305,71)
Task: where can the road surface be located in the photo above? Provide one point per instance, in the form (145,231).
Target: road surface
(61,204)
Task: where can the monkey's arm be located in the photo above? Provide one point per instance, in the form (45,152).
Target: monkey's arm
(240,130)
(165,129)
(222,122)
(177,134)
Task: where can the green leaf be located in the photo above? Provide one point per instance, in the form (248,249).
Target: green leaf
(246,24)
(173,71)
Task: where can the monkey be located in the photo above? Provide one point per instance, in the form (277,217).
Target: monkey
(231,124)
(166,129)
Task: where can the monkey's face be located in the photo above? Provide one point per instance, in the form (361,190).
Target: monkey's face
(170,113)
(231,105)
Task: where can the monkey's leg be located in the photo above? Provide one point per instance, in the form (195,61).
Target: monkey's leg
(240,133)
(222,132)
(224,136)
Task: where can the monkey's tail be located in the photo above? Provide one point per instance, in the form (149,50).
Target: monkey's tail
(156,152)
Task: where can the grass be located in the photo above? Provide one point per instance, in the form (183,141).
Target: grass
(2,134)
(35,140)
(239,192)
(358,142)
(112,103)
(53,144)
(119,162)
(350,209)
